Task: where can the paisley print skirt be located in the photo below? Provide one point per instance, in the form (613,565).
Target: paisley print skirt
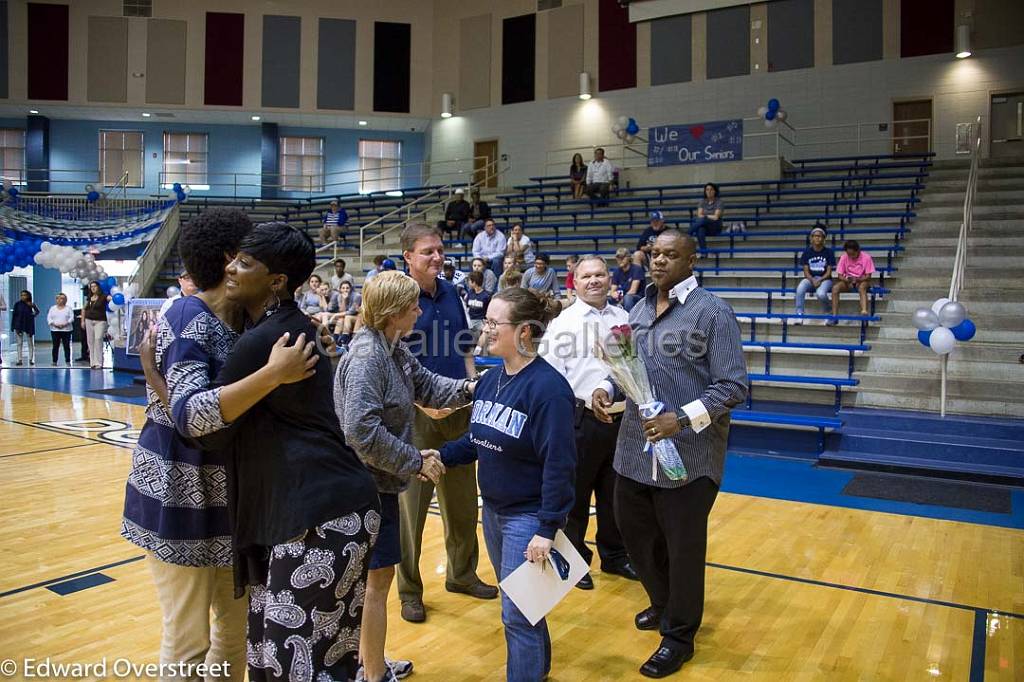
(304,622)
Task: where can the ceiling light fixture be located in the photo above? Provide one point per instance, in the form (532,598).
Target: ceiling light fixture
(446,105)
(255,118)
(33,111)
(146,114)
(963,41)
(362,123)
(584,86)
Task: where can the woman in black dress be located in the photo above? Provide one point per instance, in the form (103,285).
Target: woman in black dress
(23,324)
(577,176)
(305,511)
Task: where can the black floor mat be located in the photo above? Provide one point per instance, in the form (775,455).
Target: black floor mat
(928,491)
(124,391)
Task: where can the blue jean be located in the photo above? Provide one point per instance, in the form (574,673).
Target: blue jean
(822,294)
(630,300)
(528,646)
(702,228)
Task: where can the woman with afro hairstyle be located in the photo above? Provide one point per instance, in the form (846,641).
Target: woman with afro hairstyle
(176,496)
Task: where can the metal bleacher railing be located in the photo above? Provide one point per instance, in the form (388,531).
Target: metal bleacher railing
(956,281)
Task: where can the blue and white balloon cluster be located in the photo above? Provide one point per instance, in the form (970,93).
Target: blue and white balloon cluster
(9,191)
(772,114)
(626,129)
(181,191)
(92,195)
(75,263)
(18,254)
(942,325)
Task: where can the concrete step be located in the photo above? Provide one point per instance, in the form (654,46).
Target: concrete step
(926,398)
(977,350)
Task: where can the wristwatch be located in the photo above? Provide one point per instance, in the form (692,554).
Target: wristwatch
(683,420)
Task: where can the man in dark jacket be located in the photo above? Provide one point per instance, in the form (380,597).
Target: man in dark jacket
(456,214)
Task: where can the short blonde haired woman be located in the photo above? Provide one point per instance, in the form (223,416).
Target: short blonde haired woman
(377,382)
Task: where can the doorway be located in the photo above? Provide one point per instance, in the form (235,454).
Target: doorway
(485,154)
(1007,133)
(912,127)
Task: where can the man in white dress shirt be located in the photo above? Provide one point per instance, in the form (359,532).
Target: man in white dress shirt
(600,174)
(569,347)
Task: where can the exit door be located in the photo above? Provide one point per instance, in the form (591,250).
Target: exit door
(485,167)
(912,127)
(1007,122)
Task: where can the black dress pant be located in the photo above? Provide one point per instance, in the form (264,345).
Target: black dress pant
(595,450)
(666,533)
(63,339)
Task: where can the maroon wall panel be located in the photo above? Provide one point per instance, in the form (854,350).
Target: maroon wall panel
(225,38)
(616,61)
(47,51)
(926,27)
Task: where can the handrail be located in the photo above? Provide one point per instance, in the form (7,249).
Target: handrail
(156,252)
(446,190)
(956,280)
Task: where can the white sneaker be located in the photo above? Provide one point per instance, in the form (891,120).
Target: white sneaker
(397,670)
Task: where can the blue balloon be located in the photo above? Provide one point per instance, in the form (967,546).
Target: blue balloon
(632,127)
(964,331)
(773,104)
(925,337)
(92,196)
(111,281)
(13,192)
(181,197)
(770,114)
(176,187)
(118,299)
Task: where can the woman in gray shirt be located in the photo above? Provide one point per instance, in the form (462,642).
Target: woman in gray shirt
(709,216)
(378,381)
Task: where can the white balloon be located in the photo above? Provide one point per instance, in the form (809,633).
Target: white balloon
(631,139)
(616,128)
(937,306)
(769,124)
(38,258)
(761,111)
(781,115)
(173,291)
(116,290)
(623,121)
(941,340)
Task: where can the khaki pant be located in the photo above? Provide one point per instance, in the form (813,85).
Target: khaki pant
(191,633)
(456,495)
(95,330)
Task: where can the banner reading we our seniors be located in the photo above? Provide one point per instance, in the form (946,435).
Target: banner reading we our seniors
(709,142)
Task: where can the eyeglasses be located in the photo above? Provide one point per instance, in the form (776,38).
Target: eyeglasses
(492,324)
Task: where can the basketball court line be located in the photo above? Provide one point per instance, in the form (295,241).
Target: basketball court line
(45,450)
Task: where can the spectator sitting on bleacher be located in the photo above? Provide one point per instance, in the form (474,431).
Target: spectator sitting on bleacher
(451,274)
(643,245)
(490,245)
(854,271)
(818,261)
(512,277)
(340,275)
(309,301)
(541,277)
(490,279)
(627,280)
(577,176)
(350,302)
(479,212)
(456,215)
(477,299)
(519,245)
(334,220)
(378,265)
(329,304)
(708,222)
(600,174)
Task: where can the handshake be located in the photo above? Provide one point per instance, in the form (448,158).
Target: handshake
(432,467)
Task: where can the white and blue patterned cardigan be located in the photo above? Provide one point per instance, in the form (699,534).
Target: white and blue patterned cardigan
(176,498)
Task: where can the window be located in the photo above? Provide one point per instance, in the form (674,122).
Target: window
(121,152)
(302,164)
(12,155)
(380,165)
(185,160)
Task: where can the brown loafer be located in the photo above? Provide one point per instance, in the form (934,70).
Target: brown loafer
(479,589)
(414,611)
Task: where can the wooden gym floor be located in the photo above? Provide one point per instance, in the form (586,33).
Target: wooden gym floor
(795,590)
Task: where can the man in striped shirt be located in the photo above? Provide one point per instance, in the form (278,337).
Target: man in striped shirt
(690,343)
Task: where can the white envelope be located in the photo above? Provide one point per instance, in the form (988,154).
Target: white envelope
(537,588)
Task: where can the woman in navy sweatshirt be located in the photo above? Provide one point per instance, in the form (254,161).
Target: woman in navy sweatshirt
(521,431)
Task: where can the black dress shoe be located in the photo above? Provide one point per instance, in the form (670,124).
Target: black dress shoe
(648,619)
(479,589)
(585,583)
(664,662)
(624,569)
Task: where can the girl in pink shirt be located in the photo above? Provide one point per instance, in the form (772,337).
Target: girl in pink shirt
(853,272)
